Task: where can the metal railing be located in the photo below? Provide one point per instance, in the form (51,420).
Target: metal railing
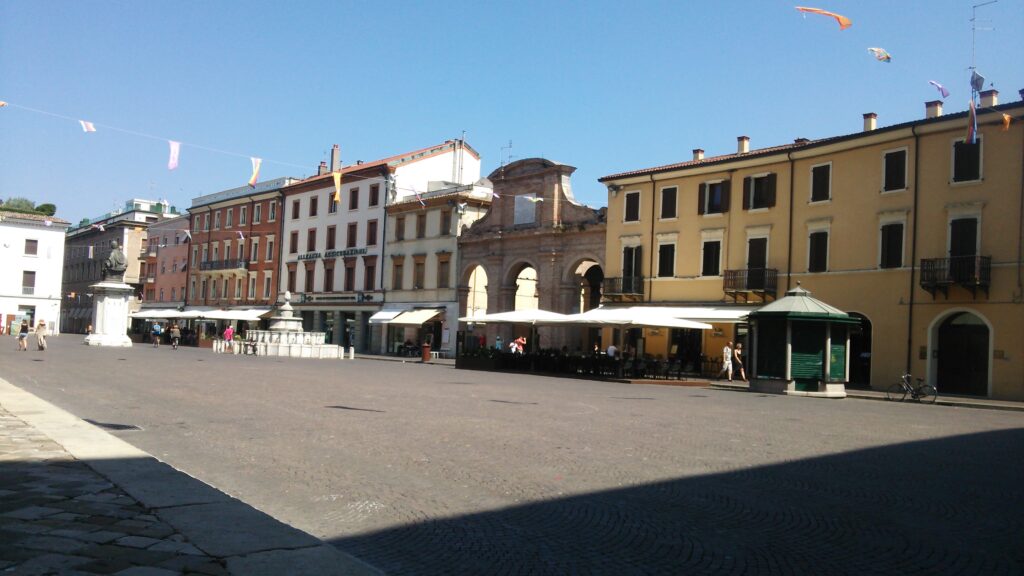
(629,285)
(751,280)
(223,264)
(969,271)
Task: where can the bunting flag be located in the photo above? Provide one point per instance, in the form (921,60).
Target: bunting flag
(98,227)
(942,89)
(172,161)
(843,21)
(188,235)
(461,207)
(255,171)
(972,125)
(337,186)
(420,198)
(2,103)
(87,126)
(90,252)
(534,199)
(47,222)
(240,235)
(495,194)
(1006,122)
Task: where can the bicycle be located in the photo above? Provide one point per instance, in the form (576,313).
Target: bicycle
(922,392)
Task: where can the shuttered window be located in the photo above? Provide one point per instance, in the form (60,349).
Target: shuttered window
(668,202)
(967,161)
(666,260)
(821,183)
(632,207)
(895,171)
(759,192)
(712,251)
(817,260)
(892,246)
(713,197)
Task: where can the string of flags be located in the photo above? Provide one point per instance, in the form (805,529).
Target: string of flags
(880,54)
(942,89)
(843,21)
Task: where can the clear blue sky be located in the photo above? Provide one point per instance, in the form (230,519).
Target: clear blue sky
(603,86)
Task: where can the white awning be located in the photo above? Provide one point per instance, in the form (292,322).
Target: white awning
(416,317)
(385,316)
(157,313)
(247,314)
(536,316)
(634,316)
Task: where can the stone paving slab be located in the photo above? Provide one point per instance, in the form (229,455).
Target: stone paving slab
(123,512)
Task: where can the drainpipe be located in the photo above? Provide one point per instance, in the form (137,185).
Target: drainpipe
(913,250)
(654,201)
(1020,228)
(789,245)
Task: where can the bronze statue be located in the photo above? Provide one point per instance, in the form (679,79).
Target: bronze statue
(115,264)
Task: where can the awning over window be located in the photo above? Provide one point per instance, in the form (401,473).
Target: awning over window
(385,316)
(417,317)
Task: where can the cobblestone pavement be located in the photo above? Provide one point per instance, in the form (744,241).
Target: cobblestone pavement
(429,470)
(57,515)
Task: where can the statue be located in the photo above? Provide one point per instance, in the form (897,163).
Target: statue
(115,264)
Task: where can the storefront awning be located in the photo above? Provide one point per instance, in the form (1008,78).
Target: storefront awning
(416,317)
(385,316)
(247,314)
(156,313)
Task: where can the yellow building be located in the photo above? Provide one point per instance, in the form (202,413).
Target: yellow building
(907,227)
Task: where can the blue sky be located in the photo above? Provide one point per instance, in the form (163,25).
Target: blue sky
(603,86)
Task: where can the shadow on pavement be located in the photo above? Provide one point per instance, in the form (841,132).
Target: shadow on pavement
(946,506)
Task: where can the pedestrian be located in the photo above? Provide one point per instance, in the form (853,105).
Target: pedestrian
(41,335)
(175,335)
(737,358)
(23,336)
(521,344)
(498,342)
(229,337)
(726,361)
(156,332)
(612,351)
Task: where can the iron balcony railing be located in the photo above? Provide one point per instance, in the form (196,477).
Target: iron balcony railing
(751,280)
(968,271)
(222,264)
(627,285)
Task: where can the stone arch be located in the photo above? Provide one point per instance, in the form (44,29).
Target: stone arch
(960,352)
(519,291)
(474,286)
(584,274)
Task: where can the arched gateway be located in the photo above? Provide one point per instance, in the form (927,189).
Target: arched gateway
(536,247)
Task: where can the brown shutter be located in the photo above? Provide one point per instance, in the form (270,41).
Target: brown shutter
(747,192)
(771,189)
(701,196)
(726,193)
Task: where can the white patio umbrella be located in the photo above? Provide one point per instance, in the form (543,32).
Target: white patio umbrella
(537,316)
(631,317)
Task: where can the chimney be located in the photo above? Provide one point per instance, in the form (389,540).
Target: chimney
(1021,93)
(870,121)
(335,158)
(933,109)
(989,98)
(742,144)
(323,168)
(800,141)
(698,154)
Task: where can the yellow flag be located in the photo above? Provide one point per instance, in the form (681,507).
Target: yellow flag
(337,186)
(1006,122)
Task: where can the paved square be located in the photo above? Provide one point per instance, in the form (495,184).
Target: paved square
(422,469)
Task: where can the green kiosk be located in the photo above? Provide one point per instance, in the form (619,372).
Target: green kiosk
(801,346)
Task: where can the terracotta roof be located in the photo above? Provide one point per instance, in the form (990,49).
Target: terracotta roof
(385,161)
(704,161)
(37,217)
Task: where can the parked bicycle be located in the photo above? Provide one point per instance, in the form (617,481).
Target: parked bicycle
(921,392)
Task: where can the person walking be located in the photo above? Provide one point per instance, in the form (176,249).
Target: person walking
(23,336)
(175,335)
(41,335)
(738,359)
(726,361)
(156,332)
(229,337)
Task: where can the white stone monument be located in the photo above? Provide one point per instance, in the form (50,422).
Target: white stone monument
(110,304)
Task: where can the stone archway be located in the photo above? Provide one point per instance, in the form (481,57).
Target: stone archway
(960,345)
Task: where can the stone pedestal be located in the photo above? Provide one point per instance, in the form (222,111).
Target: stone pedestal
(110,315)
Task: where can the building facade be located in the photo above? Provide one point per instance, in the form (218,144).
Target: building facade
(907,227)
(165,263)
(32,257)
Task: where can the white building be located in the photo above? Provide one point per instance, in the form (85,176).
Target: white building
(32,260)
(332,253)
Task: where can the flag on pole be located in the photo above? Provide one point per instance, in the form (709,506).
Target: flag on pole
(337,186)
(172,161)
(255,171)
(972,124)
(977,81)
(87,126)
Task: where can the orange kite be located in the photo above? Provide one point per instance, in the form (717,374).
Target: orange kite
(844,22)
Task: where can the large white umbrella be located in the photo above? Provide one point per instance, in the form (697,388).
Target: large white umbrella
(631,317)
(537,316)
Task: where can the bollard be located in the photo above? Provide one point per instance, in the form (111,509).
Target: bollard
(352,353)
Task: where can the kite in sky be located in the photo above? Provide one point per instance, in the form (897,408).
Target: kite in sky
(255,171)
(172,160)
(942,89)
(87,126)
(844,22)
(880,54)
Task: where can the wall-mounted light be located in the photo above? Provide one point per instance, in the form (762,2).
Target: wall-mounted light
(614,189)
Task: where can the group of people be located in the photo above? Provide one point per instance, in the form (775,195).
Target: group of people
(174,333)
(40,332)
(732,361)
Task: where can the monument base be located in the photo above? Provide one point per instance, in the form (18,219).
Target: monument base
(110,314)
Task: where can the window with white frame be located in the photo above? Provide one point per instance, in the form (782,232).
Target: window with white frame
(216,220)
(817,245)
(229,217)
(711,252)
(252,286)
(270,248)
(821,182)
(257,212)
(713,197)
(254,250)
(668,202)
(267,284)
(242,214)
(759,191)
(894,170)
(631,207)
(272,211)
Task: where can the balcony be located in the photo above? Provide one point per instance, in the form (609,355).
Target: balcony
(624,286)
(150,279)
(222,264)
(970,272)
(761,282)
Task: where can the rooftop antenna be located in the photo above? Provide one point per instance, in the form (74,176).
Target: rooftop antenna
(503,157)
(974,28)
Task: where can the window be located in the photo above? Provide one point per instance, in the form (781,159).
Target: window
(216,252)
(350,274)
(195,226)
(254,250)
(295,209)
(397,272)
(443,270)
(369,272)
(31,247)
(632,207)
(163,266)
(817,255)
(311,240)
(270,248)
(291,279)
(421,225)
(759,192)
(206,222)
(229,218)
(892,246)
(309,276)
(216,220)
(666,260)
(195,254)
(668,202)
(328,277)
(268,284)
(446,222)
(293,242)
(713,197)
(252,287)
(353,199)
(895,171)
(400,228)
(28,283)
(238,289)
(257,213)
(174,293)
(332,205)
(202,290)
(272,215)
(821,183)
(192,288)
(966,161)
(711,252)
(332,233)
(242,213)
(314,205)
(206,253)
(374,194)
(161,294)
(632,265)
(353,231)
(225,293)
(419,269)
(371,233)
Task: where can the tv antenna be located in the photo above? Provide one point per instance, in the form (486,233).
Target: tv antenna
(506,158)
(974,28)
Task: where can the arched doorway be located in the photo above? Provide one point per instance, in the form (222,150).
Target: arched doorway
(860,353)
(960,349)
(527,297)
(476,298)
